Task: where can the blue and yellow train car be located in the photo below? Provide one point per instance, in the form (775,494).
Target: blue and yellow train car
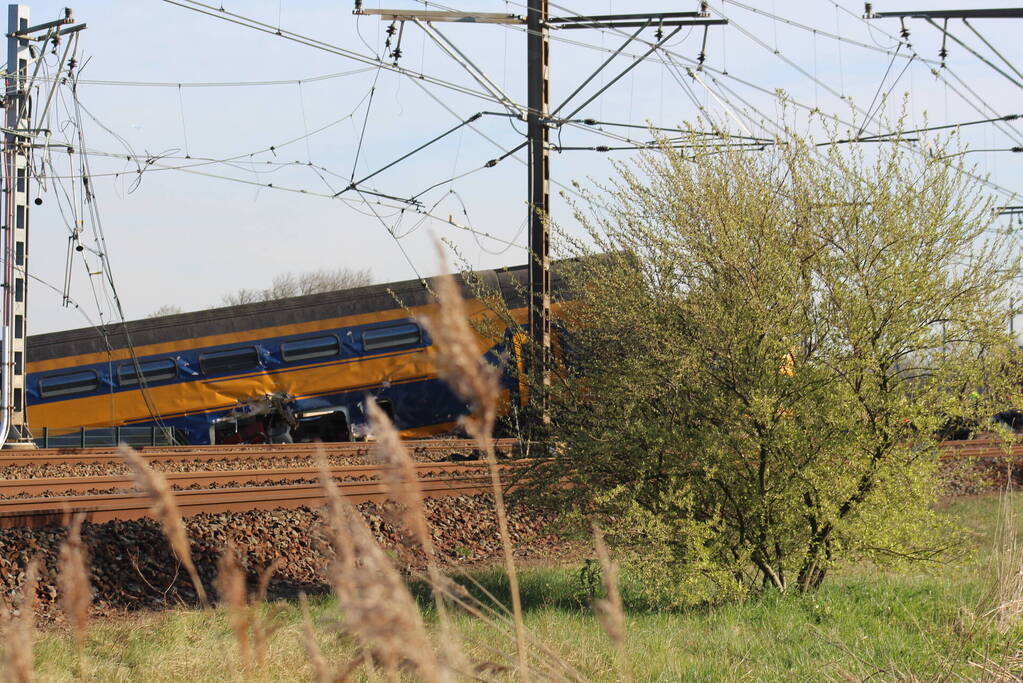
(326,352)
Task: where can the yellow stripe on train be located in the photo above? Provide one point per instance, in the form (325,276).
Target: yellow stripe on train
(197,396)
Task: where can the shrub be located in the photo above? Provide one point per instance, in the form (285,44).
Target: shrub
(762,353)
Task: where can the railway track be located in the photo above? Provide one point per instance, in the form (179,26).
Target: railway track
(247,489)
(981,448)
(204,491)
(37,512)
(80,456)
(10,488)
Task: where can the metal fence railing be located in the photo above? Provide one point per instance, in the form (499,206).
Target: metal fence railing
(107,436)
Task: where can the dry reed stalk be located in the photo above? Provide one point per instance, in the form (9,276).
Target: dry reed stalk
(461,365)
(19,630)
(321,670)
(251,630)
(1008,589)
(263,628)
(610,610)
(496,617)
(163,507)
(232,589)
(376,606)
(75,591)
(401,477)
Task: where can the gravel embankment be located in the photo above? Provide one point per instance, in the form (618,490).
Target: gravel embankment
(972,476)
(133,568)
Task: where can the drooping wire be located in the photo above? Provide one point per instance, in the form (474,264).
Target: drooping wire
(305,124)
(89,198)
(184,127)
(365,122)
(841,65)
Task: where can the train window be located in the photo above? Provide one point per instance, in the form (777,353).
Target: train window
(389,337)
(311,347)
(152,371)
(80,382)
(229,360)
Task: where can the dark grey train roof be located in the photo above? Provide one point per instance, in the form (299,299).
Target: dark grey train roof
(299,309)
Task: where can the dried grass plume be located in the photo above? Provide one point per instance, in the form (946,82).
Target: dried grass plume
(460,363)
(375,604)
(74,588)
(233,593)
(19,631)
(610,610)
(458,358)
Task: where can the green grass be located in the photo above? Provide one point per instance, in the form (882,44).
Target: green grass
(915,622)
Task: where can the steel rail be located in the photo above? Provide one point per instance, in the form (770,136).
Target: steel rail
(37,512)
(993,450)
(184,480)
(105,455)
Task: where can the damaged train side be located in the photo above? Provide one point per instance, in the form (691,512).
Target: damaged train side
(292,369)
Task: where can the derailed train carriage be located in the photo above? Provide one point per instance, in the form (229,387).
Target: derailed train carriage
(233,374)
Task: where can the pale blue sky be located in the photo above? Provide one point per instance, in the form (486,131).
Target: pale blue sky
(186,239)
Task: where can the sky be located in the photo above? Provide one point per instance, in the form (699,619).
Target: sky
(179,111)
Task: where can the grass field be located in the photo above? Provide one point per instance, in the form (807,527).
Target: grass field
(919,623)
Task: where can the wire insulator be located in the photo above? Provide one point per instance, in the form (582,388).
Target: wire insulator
(944,38)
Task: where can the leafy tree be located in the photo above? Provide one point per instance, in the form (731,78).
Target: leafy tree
(760,357)
(313,282)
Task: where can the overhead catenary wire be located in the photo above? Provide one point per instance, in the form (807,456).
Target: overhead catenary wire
(984,109)
(753,37)
(578,125)
(827,34)
(378,62)
(944,30)
(946,126)
(992,48)
(210,84)
(871,28)
(90,201)
(814,79)
(397,208)
(668,54)
(846,41)
(365,122)
(871,111)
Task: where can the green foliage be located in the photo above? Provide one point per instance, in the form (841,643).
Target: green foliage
(762,347)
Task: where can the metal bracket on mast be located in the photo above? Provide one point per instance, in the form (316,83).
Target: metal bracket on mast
(447,46)
(438,15)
